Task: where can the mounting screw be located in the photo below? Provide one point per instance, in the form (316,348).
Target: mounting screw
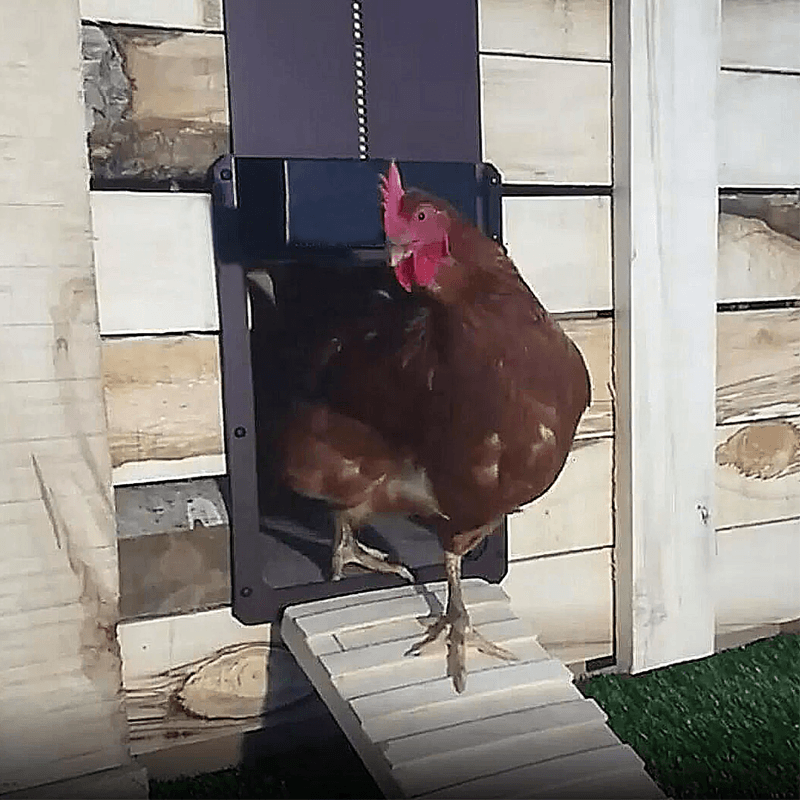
(225,174)
(494,181)
(240,432)
(245,591)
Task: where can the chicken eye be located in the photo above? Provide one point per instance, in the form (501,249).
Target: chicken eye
(421,216)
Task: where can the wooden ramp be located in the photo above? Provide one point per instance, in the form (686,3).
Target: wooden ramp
(521,729)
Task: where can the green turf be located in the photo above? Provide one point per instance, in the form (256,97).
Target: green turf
(724,726)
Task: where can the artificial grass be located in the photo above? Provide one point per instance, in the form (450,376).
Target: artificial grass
(726,726)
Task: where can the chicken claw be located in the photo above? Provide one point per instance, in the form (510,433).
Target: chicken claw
(461,632)
(348,550)
(460,636)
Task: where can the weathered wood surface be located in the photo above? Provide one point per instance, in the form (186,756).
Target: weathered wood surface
(174,548)
(757,114)
(567,599)
(519,727)
(756,579)
(546,121)
(572,28)
(200,14)
(198,676)
(156,103)
(665,259)
(780,210)
(60,705)
(154,261)
(758,365)
(758,472)
(761,35)
(562,247)
(163,403)
(594,339)
(755,261)
(575,513)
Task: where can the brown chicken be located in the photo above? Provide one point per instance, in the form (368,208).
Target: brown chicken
(458,408)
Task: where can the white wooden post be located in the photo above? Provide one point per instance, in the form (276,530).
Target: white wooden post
(61,710)
(665,65)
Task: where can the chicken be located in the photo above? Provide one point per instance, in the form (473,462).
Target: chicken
(457,404)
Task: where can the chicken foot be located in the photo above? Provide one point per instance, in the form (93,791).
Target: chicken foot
(348,550)
(461,633)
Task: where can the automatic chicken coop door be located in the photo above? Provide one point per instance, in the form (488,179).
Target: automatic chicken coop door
(298,242)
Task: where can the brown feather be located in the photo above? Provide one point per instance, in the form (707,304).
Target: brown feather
(477,389)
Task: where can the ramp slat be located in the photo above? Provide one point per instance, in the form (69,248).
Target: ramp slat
(431,774)
(520,728)
(476,733)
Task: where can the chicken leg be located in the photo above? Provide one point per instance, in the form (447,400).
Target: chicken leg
(461,632)
(348,550)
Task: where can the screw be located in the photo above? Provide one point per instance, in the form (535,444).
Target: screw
(245,591)
(240,432)
(494,181)
(225,174)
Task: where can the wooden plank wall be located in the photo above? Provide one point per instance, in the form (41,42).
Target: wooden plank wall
(553,147)
(758,332)
(159,326)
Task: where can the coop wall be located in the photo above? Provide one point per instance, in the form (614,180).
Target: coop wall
(156,97)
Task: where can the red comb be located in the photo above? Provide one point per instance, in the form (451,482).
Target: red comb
(392,196)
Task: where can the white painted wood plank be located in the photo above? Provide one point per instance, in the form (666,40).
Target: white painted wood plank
(761,34)
(575,513)
(496,756)
(29,294)
(389,653)
(562,247)
(436,589)
(758,365)
(156,470)
(42,410)
(665,243)
(439,692)
(758,472)
(29,350)
(196,14)
(571,28)
(482,614)
(756,575)
(154,261)
(59,567)
(757,114)
(546,121)
(400,670)
(468,708)
(368,613)
(635,784)
(566,598)
(756,262)
(476,734)
(538,780)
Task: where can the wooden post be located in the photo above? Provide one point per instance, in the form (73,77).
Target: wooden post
(61,710)
(665,65)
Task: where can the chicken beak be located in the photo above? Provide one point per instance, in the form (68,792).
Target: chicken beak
(398,253)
